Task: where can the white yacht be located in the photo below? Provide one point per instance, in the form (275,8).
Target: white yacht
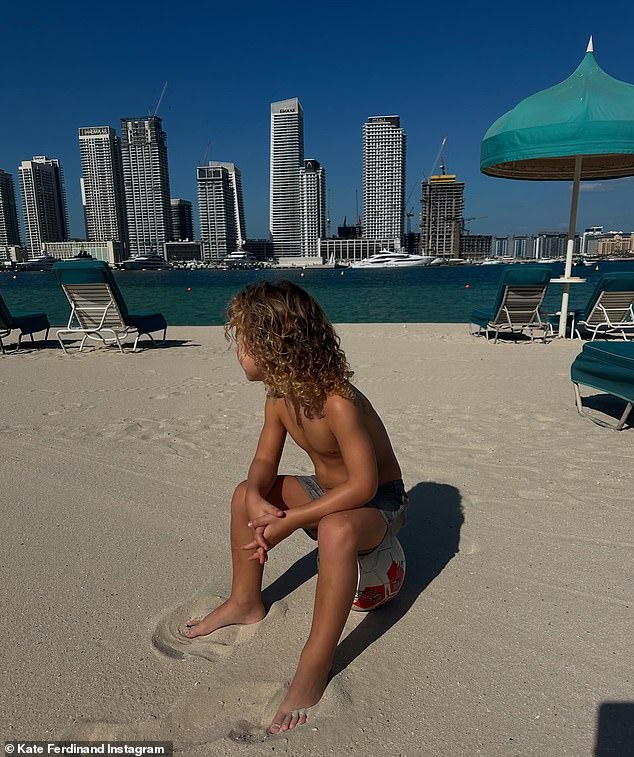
(387,259)
(151,262)
(240,258)
(43,262)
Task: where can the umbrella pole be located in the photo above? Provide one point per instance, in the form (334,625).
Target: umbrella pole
(572,226)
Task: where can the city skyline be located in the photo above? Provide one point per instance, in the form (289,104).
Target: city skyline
(449,80)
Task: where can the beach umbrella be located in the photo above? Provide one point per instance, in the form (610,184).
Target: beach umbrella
(582,128)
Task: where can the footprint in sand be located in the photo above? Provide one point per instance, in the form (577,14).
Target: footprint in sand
(169,634)
(95,730)
(468,546)
(241,713)
(534,495)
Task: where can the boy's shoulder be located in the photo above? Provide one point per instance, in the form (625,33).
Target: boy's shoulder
(338,405)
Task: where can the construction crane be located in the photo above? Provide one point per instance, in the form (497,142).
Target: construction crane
(465,228)
(410,215)
(203,160)
(440,156)
(160,100)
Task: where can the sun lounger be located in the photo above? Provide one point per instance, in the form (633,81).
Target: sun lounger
(26,323)
(98,310)
(610,309)
(517,303)
(609,367)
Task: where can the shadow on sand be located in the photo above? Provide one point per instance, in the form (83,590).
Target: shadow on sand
(430,540)
(609,405)
(28,346)
(615,730)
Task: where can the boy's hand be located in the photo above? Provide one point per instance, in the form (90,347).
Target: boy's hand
(265,519)
(268,536)
(258,506)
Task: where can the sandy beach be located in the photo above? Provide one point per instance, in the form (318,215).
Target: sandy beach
(511,637)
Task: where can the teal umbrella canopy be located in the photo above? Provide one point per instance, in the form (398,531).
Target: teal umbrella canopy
(589,114)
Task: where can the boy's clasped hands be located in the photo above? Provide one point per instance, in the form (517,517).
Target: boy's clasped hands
(270,526)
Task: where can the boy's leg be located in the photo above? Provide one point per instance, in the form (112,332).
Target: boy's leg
(342,536)
(244,605)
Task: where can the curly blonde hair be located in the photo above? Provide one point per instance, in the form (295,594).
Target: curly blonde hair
(292,342)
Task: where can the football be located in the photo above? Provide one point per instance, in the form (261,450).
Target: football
(381,574)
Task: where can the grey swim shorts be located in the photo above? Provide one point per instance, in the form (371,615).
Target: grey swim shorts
(390,500)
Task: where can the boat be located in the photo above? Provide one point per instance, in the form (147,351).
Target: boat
(240,258)
(387,259)
(40,263)
(442,260)
(152,262)
(491,261)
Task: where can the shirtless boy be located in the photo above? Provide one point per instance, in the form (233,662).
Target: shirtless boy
(285,340)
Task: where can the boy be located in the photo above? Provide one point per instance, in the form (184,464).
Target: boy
(285,340)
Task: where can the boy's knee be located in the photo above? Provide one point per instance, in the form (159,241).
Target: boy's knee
(335,532)
(239,495)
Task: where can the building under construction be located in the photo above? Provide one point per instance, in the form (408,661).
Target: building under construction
(442,217)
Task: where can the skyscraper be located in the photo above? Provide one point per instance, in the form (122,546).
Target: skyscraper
(384,148)
(43,202)
(312,194)
(9,229)
(146,184)
(287,156)
(442,217)
(102,184)
(182,220)
(221,209)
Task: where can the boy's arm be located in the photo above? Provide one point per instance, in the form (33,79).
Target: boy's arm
(347,424)
(265,463)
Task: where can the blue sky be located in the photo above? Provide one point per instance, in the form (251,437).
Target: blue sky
(448,69)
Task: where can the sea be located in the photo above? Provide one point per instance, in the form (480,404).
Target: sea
(436,294)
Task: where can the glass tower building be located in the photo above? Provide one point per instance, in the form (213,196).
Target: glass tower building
(287,157)
(146,184)
(43,202)
(221,209)
(9,229)
(384,150)
(102,184)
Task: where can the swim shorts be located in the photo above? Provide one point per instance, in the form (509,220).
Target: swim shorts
(390,500)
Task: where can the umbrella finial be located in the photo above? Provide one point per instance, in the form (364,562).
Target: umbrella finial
(590,48)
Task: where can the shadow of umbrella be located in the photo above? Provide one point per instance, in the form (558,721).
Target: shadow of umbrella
(615,730)
(582,128)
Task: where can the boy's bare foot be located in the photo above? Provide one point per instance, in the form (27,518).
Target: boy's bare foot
(229,613)
(305,691)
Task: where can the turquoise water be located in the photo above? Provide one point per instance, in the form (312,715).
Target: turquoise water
(410,295)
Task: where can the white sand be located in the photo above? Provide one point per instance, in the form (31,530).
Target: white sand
(513,628)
